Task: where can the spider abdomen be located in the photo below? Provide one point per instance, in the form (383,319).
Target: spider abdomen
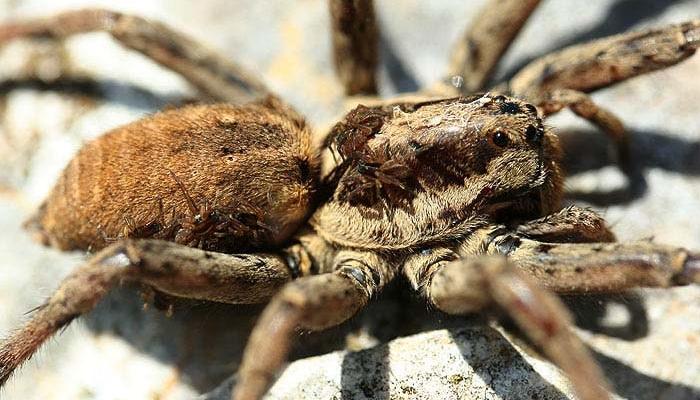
(219,177)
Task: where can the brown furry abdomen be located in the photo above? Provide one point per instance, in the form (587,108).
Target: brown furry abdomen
(250,166)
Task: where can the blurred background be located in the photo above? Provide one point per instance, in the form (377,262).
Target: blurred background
(648,341)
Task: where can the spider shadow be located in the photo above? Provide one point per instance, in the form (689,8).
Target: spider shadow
(621,16)
(366,373)
(593,313)
(204,341)
(401,312)
(629,383)
(398,77)
(626,381)
(501,373)
(114,91)
(586,151)
(590,313)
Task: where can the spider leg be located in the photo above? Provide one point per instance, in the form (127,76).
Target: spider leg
(583,106)
(211,74)
(561,79)
(572,224)
(599,267)
(168,267)
(313,303)
(355,36)
(480,48)
(589,66)
(468,285)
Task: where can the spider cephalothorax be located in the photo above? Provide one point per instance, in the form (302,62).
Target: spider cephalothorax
(440,168)
(459,195)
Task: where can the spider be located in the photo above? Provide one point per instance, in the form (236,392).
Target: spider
(459,193)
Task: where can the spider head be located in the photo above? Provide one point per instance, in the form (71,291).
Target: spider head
(478,155)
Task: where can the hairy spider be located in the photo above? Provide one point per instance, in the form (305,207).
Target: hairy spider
(459,193)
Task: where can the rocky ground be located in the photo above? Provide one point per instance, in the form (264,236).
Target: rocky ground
(648,341)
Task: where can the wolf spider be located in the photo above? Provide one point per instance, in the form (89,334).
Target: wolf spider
(459,193)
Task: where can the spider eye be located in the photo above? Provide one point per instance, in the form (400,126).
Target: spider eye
(530,108)
(533,135)
(500,139)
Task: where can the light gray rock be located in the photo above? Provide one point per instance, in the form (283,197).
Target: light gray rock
(475,362)
(648,343)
